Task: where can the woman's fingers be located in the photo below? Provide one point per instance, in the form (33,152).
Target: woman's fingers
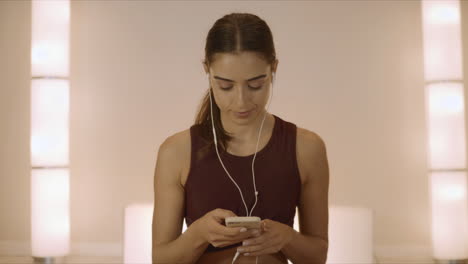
(221,214)
(220,235)
(234,239)
(228,231)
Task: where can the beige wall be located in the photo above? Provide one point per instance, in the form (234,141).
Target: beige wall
(352,71)
(15,43)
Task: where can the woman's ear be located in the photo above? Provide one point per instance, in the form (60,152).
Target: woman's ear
(275,66)
(205,66)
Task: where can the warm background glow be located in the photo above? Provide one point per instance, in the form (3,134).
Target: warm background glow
(50,122)
(137,233)
(350,235)
(445,117)
(49,130)
(446,126)
(442,40)
(50,38)
(352,71)
(50,212)
(449,215)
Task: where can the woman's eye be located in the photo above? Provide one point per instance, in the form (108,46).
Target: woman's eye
(256,87)
(252,87)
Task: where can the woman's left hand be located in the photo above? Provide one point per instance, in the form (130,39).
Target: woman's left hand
(273,237)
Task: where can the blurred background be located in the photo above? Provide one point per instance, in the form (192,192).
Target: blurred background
(351,71)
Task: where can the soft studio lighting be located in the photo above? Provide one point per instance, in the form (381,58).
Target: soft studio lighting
(50,175)
(442,13)
(350,235)
(50,212)
(442,40)
(449,215)
(49,126)
(446,125)
(445,118)
(50,38)
(138,233)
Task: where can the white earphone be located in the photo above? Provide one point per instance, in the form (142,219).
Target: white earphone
(253,161)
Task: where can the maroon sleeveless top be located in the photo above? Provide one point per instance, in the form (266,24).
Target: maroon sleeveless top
(276,175)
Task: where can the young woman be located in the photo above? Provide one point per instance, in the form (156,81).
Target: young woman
(263,165)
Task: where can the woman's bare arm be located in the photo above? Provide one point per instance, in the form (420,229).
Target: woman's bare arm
(310,245)
(169,245)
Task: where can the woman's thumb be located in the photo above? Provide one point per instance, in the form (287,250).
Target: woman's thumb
(221,214)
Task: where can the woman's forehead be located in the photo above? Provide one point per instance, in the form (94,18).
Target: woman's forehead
(238,67)
(244,58)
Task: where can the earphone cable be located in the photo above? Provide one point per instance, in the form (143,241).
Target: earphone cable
(216,147)
(256,148)
(253,172)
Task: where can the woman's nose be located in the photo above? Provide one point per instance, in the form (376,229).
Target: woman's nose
(242,96)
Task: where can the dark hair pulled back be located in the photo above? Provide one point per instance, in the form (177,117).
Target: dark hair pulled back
(233,33)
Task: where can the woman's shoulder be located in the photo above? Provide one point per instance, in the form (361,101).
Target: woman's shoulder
(308,137)
(309,146)
(309,142)
(304,135)
(179,144)
(180,141)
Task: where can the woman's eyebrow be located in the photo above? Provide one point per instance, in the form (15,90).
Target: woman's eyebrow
(251,79)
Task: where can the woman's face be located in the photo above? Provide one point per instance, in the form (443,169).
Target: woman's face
(240,83)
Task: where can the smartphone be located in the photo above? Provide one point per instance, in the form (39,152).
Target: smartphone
(243,221)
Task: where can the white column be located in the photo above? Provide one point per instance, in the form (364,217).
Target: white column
(445,119)
(50,175)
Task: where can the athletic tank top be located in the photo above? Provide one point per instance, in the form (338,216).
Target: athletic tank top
(276,175)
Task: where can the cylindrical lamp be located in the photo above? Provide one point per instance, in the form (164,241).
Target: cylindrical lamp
(449,217)
(50,174)
(350,235)
(138,234)
(445,121)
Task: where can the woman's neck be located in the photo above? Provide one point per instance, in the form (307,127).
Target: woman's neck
(247,134)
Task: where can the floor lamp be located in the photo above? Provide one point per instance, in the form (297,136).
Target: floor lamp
(50,175)
(445,119)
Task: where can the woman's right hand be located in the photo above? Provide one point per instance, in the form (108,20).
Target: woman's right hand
(211,229)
